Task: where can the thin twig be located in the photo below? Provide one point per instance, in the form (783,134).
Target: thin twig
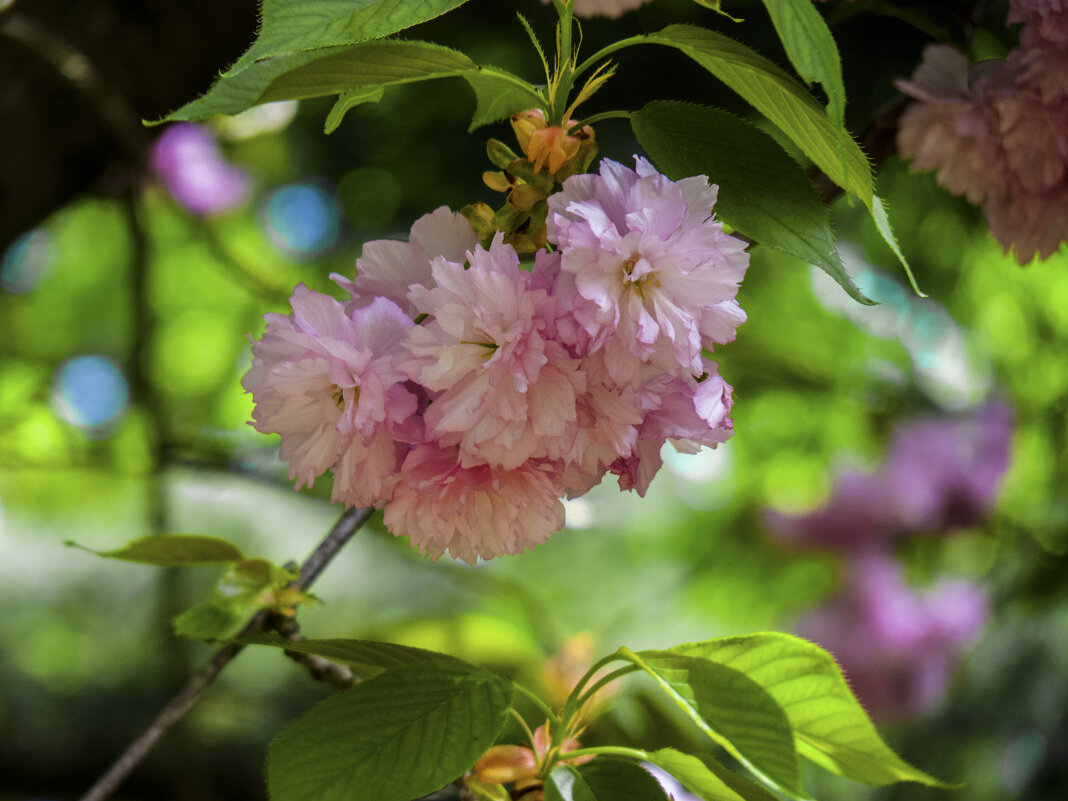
(346,526)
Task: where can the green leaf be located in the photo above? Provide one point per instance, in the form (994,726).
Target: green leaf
(707,778)
(210,620)
(882,223)
(603,779)
(364,657)
(780,98)
(733,710)
(349,100)
(762,191)
(811,49)
(292,26)
(360,73)
(397,736)
(173,550)
(829,724)
(499,95)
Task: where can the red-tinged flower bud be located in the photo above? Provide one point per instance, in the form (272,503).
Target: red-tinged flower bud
(525,123)
(505,763)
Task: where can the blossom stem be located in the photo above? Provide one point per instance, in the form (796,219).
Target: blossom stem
(540,704)
(604,115)
(526,729)
(347,525)
(604,680)
(607,750)
(606,51)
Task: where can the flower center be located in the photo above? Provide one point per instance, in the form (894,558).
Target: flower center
(642,282)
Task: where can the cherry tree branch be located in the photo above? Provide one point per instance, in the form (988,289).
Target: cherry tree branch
(347,525)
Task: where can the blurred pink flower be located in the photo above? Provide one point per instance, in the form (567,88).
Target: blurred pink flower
(472,512)
(997,133)
(658,272)
(603,8)
(325,381)
(1045,21)
(898,648)
(192,167)
(939,475)
(389,268)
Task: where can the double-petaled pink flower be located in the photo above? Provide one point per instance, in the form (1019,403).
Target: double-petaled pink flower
(468,395)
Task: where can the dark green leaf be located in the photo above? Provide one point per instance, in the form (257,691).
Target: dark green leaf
(174,550)
(364,657)
(732,709)
(499,95)
(830,726)
(603,779)
(210,620)
(397,736)
(707,778)
(360,73)
(762,191)
(383,63)
(780,98)
(810,46)
(293,26)
(349,100)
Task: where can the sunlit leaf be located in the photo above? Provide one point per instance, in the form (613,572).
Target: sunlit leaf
(174,550)
(830,726)
(603,779)
(780,98)
(397,736)
(708,779)
(364,657)
(732,709)
(763,192)
(882,222)
(811,49)
(291,26)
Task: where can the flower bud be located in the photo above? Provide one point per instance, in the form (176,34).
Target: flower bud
(525,123)
(505,763)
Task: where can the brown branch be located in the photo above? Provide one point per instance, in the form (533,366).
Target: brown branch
(348,524)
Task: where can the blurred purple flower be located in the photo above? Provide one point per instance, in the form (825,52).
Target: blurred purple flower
(939,475)
(945,474)
(191,165)
(898,648)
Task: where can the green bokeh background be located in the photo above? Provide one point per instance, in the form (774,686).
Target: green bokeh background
(86,654)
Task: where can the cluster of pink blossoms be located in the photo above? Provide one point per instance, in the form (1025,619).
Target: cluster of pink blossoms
(468,395)
(997,131)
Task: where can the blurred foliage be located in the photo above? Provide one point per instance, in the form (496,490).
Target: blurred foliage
(88,658)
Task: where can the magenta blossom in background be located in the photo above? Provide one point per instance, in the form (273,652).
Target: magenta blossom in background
(939,475)
(192,167)
(898,648)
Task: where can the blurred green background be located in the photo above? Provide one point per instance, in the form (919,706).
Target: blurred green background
(123,322)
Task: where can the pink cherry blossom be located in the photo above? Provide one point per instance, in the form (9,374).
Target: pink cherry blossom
(997,133)
(325,381)
(504,388)
(472,512)
(389,268)
(603,8)
(1046,21)
(658,271)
